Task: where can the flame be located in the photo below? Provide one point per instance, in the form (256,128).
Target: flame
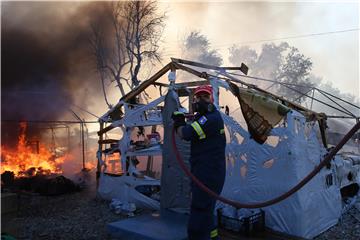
(25,161)
(113,163)
(90,165)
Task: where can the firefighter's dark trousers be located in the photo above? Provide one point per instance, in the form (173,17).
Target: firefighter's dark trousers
(202,223)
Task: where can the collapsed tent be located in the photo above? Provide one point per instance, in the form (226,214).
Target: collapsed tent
(255,172)
(175,186)
(129,189)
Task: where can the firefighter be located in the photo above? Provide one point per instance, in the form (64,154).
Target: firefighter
(207,160)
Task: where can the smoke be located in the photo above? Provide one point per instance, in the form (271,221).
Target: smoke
(197,48)
(266,63)
(47,65)
(46,59)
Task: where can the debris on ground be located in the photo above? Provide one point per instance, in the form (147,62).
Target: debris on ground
(348,226)
(77,215)
(120,207)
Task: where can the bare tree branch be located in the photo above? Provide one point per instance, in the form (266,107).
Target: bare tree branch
(136,28)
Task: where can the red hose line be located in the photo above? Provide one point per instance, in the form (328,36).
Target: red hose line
(285,195)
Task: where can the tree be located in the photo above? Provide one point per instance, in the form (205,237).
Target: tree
(294,72)
(281,63)
(285,64)
(143,31)
(270,60)
(266,64)
(127,37)
(243,54)
(197,47)
(328,88)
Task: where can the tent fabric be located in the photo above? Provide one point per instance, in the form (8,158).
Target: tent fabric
(256,173)
(272,110)
(261,113)
(175,185)
(123,189)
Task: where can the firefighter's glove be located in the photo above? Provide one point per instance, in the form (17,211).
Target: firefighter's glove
(179,119)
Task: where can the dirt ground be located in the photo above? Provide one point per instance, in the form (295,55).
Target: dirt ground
(81,215)
(78,215)
(347,228)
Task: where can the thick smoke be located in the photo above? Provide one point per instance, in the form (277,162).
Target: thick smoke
(33,78)
(197,48)
(47,65)
(46,59)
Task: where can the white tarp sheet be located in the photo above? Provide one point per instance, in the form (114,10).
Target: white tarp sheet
(123,189)
(175,185)
(256,173)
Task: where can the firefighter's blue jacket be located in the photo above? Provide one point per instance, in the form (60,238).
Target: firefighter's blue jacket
(207,161)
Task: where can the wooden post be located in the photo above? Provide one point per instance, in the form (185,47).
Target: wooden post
(68,136)
(82,144)
(312,98)
(150,160)
(358,136)
(99,154)
(191,97)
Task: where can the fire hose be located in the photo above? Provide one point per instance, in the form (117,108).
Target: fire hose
(275,200)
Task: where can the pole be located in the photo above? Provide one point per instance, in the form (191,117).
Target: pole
(68,136)
(99,155)
(82,144)
(358,136)
(312,98)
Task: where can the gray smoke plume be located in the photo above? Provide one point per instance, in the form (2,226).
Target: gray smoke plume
(197,48)
(46,59)
(47,64)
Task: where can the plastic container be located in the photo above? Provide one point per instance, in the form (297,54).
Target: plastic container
(247,225)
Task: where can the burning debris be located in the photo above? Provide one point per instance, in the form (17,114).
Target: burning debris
(33,168)
(48,185)
(25,161)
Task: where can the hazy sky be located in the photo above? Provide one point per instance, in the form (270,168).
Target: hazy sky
(335,56)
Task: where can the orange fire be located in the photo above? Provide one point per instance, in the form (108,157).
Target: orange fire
(25,161)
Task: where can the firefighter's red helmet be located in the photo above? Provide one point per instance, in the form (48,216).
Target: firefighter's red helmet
(204,89)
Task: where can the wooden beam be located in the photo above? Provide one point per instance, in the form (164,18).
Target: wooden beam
(243,68)
(146,83)
(106,129)
(161,84)
(108,141)
(233,79)
(182,92)
(192,71)
(192,84)
(138,90)
(191,97)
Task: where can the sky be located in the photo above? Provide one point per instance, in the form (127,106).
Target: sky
(335,56)
(55,30)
